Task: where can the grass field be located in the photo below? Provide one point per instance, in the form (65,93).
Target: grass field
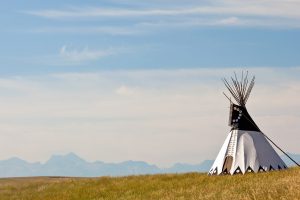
(273,185)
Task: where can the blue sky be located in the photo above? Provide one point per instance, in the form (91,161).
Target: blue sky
(134,35)
(125,76)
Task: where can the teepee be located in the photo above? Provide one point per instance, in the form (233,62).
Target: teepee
(246,148)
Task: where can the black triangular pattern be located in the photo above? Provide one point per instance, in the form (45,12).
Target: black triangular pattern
(271,168)
(284,166)
(238,171)
(215,171)
(260,169)
(279,168)
(249,170)
(225,171)
(239,119)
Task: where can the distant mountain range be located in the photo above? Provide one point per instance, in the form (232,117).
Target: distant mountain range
(73,165)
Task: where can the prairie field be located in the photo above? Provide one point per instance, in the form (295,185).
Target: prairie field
(283,184)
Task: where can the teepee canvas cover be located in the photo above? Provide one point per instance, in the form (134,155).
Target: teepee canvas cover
(246,148)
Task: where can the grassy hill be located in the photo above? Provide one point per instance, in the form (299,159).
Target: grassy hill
(273,185)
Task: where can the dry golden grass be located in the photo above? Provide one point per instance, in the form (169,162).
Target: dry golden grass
(273,185)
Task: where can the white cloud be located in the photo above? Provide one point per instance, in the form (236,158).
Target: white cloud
(268,13)
(230,21)
(85,54)
(110,30)
(102,12)
(151,26)
(159,116)
(289,9)
(124,90)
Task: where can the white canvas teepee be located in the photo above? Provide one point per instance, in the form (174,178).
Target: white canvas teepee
(246,148)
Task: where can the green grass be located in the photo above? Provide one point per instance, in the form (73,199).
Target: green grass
(272,185)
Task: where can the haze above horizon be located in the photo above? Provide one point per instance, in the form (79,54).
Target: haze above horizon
(131,80)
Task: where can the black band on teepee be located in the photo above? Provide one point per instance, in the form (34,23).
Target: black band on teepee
(239,119)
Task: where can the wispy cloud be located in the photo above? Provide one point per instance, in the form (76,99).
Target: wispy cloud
(151,26)
(68,55)
(108,12)
(86,54)
(125,90)
(272,13)
(230,21)
(288,9)
(109,30)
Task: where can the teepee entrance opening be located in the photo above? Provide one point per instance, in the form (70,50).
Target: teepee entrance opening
(227,164)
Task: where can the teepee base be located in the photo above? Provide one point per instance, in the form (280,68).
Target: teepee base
(246,152)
